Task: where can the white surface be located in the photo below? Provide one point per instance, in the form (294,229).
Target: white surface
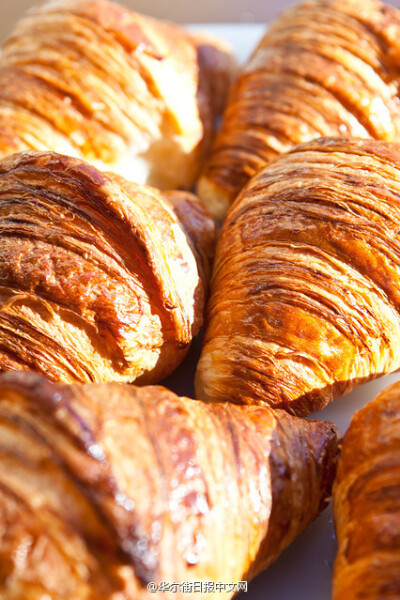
(304,570)
(243,38)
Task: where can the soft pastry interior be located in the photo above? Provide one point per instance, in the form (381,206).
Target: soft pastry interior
(101,279)
(107,487)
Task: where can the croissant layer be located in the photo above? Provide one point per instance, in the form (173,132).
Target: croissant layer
(325,68)
(106,487)
(94,80)
(100,279)
(367,503)
(305,294)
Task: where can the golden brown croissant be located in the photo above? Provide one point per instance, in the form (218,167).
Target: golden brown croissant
(132,95)
(100,279)
(367,503)
(104,488)
(326,68)
(305,298)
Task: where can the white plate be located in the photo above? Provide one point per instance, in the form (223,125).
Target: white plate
(304,570)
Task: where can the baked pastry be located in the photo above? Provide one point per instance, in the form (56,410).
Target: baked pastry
(305,300)
(367,503)
(107,487)
(129,94)
(325,68)
(100,279)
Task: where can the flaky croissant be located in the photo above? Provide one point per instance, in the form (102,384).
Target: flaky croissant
(305,299)
(326,68)
(93,80)
(107,487)
(367,503)
(100,279)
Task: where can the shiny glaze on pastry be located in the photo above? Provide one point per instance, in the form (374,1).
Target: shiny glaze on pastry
(367,503)
(325,68)
(101,279)
(106,487)
(305,300)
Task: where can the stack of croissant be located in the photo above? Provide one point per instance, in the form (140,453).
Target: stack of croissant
(109,262)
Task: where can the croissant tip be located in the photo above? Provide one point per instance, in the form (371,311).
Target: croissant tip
(325,441)
(218,62)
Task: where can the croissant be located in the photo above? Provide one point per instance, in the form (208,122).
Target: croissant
(129,94)
(305,300)
(367,503)
(107,487)
(325,68)
(100,278)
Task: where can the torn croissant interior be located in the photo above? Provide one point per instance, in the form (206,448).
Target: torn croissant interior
(130,94)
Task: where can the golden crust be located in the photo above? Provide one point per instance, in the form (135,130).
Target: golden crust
(100,279)
(132,95)
(367,503)
(305,298)
(325,68)
(101,485)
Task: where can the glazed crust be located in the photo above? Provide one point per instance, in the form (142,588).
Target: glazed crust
(305,298)
(367,503)
(102,484)
(129,94)
(325,68)
(100,279)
